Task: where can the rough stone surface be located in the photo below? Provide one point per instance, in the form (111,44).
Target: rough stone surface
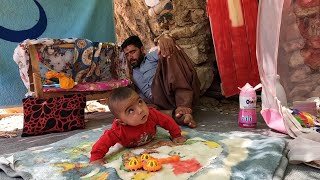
(206,75)
(299,51)
(131,18)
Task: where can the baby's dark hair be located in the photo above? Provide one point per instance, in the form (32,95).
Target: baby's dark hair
(132,40)
(118,94)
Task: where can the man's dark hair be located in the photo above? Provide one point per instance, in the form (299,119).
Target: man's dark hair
(132,40)
(118,94)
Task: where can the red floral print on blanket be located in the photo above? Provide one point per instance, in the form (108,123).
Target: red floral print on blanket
(187,166)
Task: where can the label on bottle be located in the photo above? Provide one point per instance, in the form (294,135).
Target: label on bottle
(247,118)
(247,102)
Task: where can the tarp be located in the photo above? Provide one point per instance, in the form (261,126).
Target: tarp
(233,27)
(267,52)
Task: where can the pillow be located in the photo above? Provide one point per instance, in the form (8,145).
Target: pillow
(82,62)
(58,114)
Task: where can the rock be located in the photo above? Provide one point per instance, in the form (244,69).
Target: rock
(311,57)
(315,92)
(296,59)
(300,91)
(300,74)
(294,45)
(198,15)
(292,32)
(194,54)
(205,75)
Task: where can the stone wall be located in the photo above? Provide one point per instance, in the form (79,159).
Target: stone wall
(298,61)
(185,20)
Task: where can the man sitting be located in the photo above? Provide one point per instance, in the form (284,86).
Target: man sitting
(165,77)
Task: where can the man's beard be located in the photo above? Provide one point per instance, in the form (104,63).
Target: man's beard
(137,62)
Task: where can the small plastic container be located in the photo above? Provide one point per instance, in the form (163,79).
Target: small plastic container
(247,100)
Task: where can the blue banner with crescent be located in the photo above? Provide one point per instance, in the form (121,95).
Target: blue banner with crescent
(30,19)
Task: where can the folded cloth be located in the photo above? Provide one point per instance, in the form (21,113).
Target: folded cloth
(7,166)
(305,149)
(8,134)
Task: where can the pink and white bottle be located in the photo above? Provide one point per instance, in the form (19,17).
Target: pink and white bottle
(247,99)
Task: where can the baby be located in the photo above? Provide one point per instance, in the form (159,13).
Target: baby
(134,124)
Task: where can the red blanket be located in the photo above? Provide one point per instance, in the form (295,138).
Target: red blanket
(233,26)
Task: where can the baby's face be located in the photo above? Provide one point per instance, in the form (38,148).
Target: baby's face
(133,111)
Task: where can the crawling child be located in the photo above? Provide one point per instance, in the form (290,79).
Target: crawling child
(134,124)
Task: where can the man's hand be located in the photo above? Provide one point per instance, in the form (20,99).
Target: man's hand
(180,111)
(99,162)
(180,139)
(166,46)
(183,116)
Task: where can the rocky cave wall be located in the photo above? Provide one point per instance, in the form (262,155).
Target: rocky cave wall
(185,20)
(299,49)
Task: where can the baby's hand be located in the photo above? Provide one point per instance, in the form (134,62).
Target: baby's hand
(180,139)
(99,161)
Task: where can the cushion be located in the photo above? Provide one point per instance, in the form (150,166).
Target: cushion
(58,114)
